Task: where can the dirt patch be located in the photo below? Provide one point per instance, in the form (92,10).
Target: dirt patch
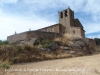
(86,65)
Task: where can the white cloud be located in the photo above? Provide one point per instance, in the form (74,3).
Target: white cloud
(90,7)
(92,27)
(92,36)
(42,4)
(20,24)
(10,24)
(87,6)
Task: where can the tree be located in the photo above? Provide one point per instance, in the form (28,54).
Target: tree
(97,40)
(3,42)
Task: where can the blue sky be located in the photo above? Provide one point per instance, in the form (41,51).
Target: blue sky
(22,15)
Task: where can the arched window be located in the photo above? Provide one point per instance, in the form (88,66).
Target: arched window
(61,14)
(65,13)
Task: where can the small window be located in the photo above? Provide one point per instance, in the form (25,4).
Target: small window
(74,32)
(61,14)
(65,13)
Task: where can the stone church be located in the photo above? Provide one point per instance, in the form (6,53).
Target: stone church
(67,25)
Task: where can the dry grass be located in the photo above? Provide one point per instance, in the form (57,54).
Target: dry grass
(30,53)
(86,65)
(27,53)
(65,40)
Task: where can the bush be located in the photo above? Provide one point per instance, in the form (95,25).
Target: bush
(97,40)
(46,46)
(45,41)
(14,59)
(3,42)
(6,65)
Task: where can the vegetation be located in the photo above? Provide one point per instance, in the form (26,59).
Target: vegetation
(97,40)
(45,41)
(17,53)
(3,42)
(27,53)
(5,65)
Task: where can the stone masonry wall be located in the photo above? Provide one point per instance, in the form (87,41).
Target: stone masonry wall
(76,32)
(53,28)
(17,37)
(31,34)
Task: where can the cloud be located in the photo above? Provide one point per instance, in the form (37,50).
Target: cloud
(92,27)
(46,4)
(4,2)
(87,6)
(93,35)
(10,24)
(20,15)
(90,7)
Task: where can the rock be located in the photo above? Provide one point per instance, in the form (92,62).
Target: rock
(70,43)
(84,45)
(72,52)
(78,43)
(76,46)
(42,49)
(47,50)
(36,41)
(54,46)
(64,48)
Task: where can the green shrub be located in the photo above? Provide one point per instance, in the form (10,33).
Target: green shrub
(19,49)
(97,40)
(14,59)
(6,65)
(3,42)
(46,46)
(45,41)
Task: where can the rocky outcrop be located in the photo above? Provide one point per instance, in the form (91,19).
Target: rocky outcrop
(83,45)
(73,46)
(54,46)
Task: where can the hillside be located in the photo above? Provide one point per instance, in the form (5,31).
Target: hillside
(45,49)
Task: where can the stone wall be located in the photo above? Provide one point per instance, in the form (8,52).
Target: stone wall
(17,37)
(31,34)
(76,32)
(65,20)
(69,24)
(52,28)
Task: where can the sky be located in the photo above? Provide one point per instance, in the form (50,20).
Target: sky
(21,15)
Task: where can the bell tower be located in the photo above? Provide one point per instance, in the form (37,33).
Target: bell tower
(66,19)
